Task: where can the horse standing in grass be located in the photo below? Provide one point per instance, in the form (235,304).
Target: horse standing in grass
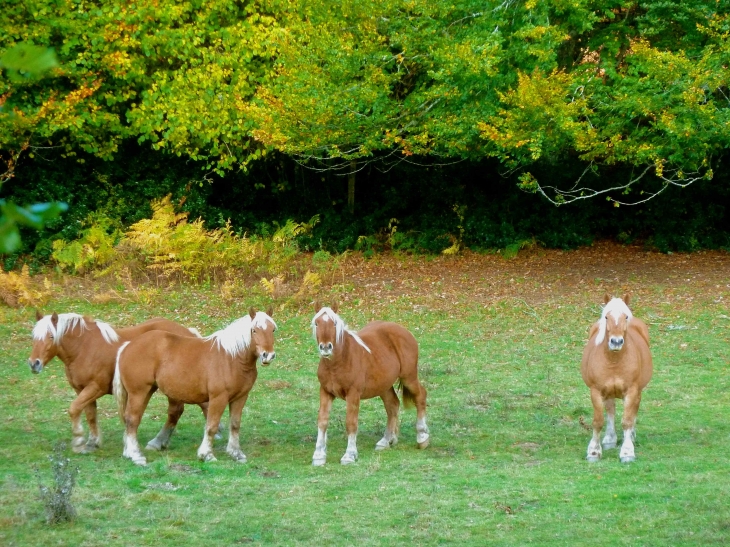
(616,364)
(219,369)
(363,365)
(88,350)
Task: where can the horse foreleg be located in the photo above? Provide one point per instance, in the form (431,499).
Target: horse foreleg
(94,440)
(351,419)
(628,423)
(392,405)
(161,441)
(85,396)
(594,451)
(320,449)
(235,409)
(204,408)
(609,439)
(216,406)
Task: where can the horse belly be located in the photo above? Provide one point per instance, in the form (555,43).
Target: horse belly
(182,385)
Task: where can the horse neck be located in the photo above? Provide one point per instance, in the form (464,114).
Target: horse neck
(344,352)
(246,359)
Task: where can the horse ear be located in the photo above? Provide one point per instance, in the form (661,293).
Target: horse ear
(317,306)
(606,298)
(270,311)
(626,298)
(38,315)
(54,319)
(335,307)
(252,312)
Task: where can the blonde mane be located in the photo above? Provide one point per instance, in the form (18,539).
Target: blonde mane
(66,323)
(236,337)
(340,327)
(615,308)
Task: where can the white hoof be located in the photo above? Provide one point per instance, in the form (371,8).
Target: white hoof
(608,445)
(423,443)
(78,445)
(237,455)
(348,458)
(593,458)
(384,444)
(139,460)
(209,457)
(318,462)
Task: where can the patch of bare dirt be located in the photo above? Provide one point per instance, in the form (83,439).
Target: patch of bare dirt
(539,275)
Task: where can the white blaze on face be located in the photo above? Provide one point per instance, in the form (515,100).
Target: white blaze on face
(616,308)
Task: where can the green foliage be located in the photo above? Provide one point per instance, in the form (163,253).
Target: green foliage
(94,247)
(56,498)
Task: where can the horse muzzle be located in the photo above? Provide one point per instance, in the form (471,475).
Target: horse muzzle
(325,350)
(615,343)
(267,357)
(36,366)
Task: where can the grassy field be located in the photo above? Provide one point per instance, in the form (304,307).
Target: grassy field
(500,350)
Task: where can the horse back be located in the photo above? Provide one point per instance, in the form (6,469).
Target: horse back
(158,323)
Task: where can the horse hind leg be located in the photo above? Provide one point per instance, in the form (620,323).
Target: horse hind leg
(161,441)
(94,440)
(136,405)
(392,406)
(415,393)
(609,439)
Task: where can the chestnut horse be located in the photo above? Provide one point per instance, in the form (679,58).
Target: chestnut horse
(616,364)
(88,350)
(363,365)
(219,369)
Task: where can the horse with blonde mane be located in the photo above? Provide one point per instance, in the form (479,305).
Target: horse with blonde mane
(362,365)
(616,364)
(88,350)
(219,369)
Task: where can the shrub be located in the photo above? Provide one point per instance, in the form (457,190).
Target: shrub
(56,498)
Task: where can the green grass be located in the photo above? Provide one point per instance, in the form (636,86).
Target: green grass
(506,465)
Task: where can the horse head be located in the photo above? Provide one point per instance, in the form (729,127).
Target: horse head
(614,322)
(44,344)
(327,328)
(262,334)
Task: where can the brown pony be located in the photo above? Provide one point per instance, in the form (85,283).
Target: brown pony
(363,365)
(616,364)
(88,350)
(219,369)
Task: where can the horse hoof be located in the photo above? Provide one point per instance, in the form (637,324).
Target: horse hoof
(141,460)
(154,446)
(209,457)
(88,449)
(318,462)
(609,445)
(627,459)
(382,444)
(78,448)
(238,456)
(593,458)
(218,436)
(347,459)
(424,444)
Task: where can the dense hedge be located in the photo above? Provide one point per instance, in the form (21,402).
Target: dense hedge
(419,208)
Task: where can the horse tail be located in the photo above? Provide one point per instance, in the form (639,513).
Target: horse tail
(409,398)
(118,389)
(195,331)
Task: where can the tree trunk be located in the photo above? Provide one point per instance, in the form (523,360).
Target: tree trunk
(351,187)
